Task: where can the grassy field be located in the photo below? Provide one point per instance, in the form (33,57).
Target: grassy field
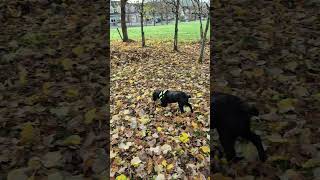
(188,31)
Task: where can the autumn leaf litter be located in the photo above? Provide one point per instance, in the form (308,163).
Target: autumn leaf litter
(147,140)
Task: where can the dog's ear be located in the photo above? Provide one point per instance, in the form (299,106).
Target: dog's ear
(155,95)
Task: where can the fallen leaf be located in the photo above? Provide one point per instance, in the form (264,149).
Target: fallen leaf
(184,137)
(90,116)
(169,167)
(286,105)
(17,174)
(28,133)
(164,163)
(52,159)
(166,148)
(135,162)
(72,140)
(205,149)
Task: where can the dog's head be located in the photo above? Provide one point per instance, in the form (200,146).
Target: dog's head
(155,95)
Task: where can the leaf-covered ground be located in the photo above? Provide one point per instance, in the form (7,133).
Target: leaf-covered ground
(53,90)
(150,141)
(268,53)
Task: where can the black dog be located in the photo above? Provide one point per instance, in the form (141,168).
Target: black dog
(167,97)
(231,117)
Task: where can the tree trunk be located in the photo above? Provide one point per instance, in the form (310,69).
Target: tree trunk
(141,21)
(175,42)
(123,20)
(154,18)
(161,17)
(167,16)
(203,41)
(201,29)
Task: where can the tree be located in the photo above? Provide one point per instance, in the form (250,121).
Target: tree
(141,11)
(203,40)
(123,21)
(200,11)
(151,8)
(176,5)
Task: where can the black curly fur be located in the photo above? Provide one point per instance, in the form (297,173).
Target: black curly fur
(173,97)
(231,117)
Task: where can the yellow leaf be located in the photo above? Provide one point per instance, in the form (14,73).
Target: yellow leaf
(89,116)
(148,132)
(169,167)
(184,137)
(27,133)
(72,140)
(22,75)
(118,103)
(239,11)
(164,163)
(66,63)
(205,149)
(121,177)
(144,119)
(135,162)
(45,88)
(131,81)
(143,133)
(286,105)
(79,50)
(159,129)
(118,161)
(72,92)
(311,163)
(181,151)
(199,94)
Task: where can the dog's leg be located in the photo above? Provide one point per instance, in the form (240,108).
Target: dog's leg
(256,140)
(164,104)
(227,143)
(181,108)
(188,104)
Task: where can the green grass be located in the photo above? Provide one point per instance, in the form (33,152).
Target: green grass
(188,31)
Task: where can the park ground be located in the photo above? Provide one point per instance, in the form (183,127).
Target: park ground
(160,142)
(147,140)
